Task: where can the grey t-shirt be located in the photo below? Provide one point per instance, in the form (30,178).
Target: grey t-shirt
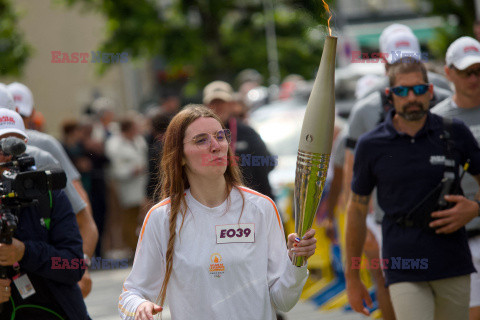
(471,117)
(338,148)
(45,143)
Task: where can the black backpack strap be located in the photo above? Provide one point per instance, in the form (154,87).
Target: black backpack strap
(419,216)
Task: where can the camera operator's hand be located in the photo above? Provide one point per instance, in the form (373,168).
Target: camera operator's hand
(11,253)
(5,290)
(450,220)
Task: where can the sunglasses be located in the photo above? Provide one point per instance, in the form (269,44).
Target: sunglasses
(205,139)
(468,73)
(418,90)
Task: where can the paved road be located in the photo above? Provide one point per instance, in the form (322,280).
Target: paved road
(107,285)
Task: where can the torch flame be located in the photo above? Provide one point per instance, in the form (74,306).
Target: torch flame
(329,18)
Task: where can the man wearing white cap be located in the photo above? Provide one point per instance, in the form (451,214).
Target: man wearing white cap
(41,237)
(6,99)
(463,69)
(76,193)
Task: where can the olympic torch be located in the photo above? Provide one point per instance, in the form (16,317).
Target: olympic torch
(315,143)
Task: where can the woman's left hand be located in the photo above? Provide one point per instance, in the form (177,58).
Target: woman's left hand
(305,248)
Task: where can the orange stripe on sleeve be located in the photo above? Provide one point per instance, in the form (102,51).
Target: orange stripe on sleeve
(271,201)
(165,202)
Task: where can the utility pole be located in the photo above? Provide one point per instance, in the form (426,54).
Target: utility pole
(271,37)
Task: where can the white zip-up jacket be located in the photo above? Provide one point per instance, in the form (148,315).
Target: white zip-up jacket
(227,264)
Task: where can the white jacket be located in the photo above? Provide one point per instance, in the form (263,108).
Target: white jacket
(227,264)
(125,158)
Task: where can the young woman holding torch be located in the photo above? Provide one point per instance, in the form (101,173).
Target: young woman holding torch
(213,248)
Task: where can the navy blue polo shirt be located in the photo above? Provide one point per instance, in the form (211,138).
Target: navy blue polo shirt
(405,169)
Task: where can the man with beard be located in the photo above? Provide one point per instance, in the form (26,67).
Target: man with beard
(463,69)
(409,158)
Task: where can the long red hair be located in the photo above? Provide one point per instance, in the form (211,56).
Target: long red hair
(174,180)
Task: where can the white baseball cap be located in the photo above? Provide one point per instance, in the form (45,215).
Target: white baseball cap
(217,90)
(23,98)
(463,53)
(6,99)
(402,44)
(11,122)
(365,84)
(389,31)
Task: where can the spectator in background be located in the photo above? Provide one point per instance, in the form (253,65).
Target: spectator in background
(289,85)
(170,104)
(89,158)
(246,143)
(159,124)
(72,144)
(37,121)
(127,153)
(105,126)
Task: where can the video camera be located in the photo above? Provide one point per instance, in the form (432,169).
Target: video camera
(21,186)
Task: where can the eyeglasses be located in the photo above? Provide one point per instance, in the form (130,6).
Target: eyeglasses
(418,90)
(467,73)
(205,139)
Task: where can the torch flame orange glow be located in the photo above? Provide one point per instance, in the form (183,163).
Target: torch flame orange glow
(328,9)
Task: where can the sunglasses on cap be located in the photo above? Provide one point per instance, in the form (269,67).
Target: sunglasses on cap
(467,73)
(205,139)
(418,90)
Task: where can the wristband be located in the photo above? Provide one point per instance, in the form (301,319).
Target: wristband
(478,212)
(87,260)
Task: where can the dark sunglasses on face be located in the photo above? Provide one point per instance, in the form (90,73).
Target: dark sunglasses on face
(468,73)
(418,90)
(204,139)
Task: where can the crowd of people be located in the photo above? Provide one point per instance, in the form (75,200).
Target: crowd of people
(410,174)
(165,187)
(119,169)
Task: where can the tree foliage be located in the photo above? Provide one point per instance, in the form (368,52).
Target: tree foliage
(459,11)
(14,51)
(213,39)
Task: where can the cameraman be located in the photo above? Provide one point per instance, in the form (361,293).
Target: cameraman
(426,258)
(49,255)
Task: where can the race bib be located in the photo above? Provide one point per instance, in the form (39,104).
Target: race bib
(235,233)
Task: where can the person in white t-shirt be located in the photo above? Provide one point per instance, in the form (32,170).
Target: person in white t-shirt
(213,248)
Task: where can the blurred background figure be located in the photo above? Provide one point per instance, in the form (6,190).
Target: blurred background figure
(159,123)
(127,152)
(289,85)
(105,125)
(37,121)
(476,30)
(364,85)
(247,80)
(89,158)
(170,104)
(246,143)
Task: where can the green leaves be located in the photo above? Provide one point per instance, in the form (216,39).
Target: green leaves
(211,39)
(14,51)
